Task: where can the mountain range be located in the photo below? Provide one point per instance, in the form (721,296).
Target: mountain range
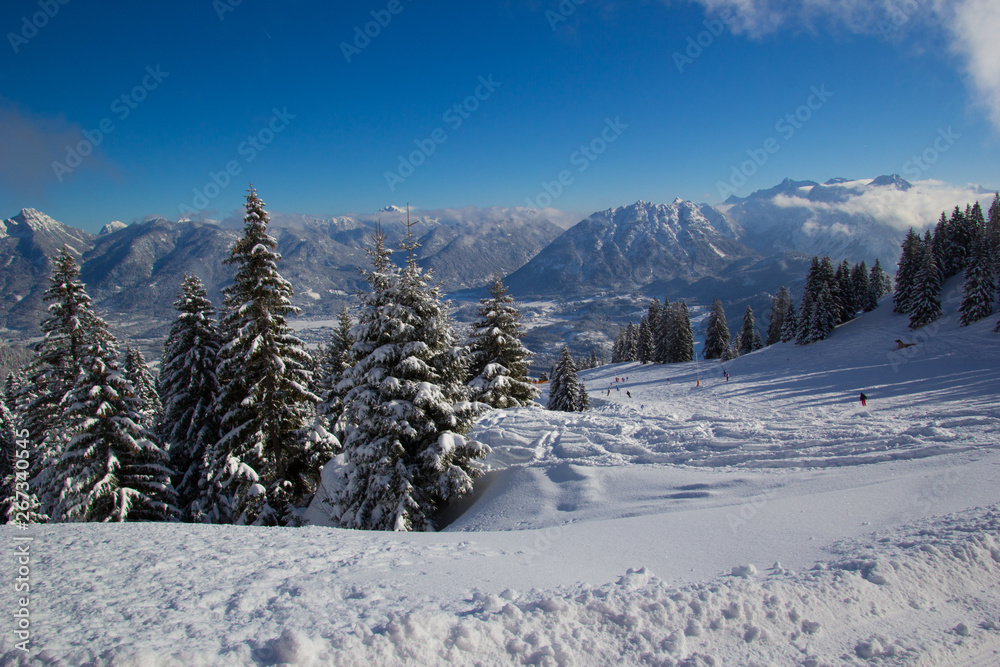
(741,249)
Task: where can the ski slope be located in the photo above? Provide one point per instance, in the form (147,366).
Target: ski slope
(770,519)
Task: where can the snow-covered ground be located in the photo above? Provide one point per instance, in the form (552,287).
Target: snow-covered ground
(770,519)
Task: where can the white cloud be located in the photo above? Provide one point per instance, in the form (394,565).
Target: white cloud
(917,207)
(971,26)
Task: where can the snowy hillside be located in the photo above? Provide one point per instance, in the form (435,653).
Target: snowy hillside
(770,519)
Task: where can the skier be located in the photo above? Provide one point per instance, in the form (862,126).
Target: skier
(864,400)
(629,394)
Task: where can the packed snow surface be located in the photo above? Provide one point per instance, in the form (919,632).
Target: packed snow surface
(770,519)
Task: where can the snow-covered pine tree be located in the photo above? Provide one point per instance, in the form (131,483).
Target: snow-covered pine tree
(665,334)
(137,374)
(618,349)
(925,300)
(682,341)
(807,307)
(337,360)
(266,465)
(189,388)
(746,332)
(910,262)
(979,289)
(653,315)
(57,364)
(879,285)
(860,287)
(566,392)
(111,468)
(776,319)
(732,351)
(844,293)
(644,347)
(716,332)
(498,359)
(631,343)
(962,236)
(406,456)
(790,324)
(8,458)
(825,314)
(993,228)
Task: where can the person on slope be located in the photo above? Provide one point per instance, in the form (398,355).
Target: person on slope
(864,400)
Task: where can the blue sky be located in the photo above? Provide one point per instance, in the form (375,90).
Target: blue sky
(611,96)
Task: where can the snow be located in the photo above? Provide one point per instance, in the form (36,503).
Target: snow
(641,531)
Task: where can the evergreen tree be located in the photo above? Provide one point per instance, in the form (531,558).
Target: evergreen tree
(732,351)
(844,293)
(406,456)
(878,286)
(58,361)
(336,361)
(267,463)
(717,332)
(962,235)
(860,288)
(8,470)
(189,388)
(112,468)
(618,349)
(776,320)
(993,229)
(138,375)
(566,392)
(631,343)
(804,332)
(499,359)
(747,332)
(790,324)
(653,316)
(825,315)
(644,348)
(944,251)
(665,334)
(910,262)
(758,342)
(925,301)
(979,288)
(682,339)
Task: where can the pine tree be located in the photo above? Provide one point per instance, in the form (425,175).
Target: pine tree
(58,361)
(406,456)
(566,392)
(993,228)
(790,323)
(112,468)
(137,374)
(665,334)
(266,465)
(717,332)
(962,236)
(825,314)
(804,333)
(618,350)
(499,360)
(844,294)
(631,343)
(910,262)
(861,288)
(776,320)
(979,288)
(653,316)
(746,332)
(8,472)
(682,337)
(878,286)
(189,388)
(644,348)
(337,361)
(925,301)
(732,351)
